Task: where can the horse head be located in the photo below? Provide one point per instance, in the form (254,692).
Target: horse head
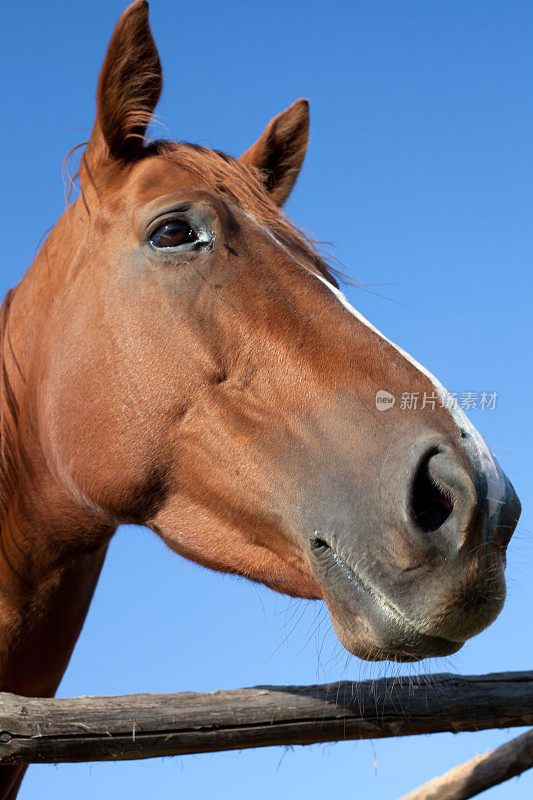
(193,367)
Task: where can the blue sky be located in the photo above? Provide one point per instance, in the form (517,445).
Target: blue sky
(419,170)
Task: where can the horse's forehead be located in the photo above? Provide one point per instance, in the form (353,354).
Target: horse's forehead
(157,176)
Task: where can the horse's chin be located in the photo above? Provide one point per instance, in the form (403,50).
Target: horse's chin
(371,626)
(373,636)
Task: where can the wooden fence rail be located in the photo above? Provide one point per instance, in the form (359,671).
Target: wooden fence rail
(480,773)
(35,730)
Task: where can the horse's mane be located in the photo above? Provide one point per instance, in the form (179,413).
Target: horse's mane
(9,413)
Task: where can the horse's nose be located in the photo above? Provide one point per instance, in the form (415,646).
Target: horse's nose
(451,499)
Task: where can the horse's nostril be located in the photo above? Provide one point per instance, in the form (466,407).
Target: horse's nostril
(431,500)
(317,544)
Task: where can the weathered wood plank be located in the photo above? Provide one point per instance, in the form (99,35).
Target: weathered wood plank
(144,726)
(480,773)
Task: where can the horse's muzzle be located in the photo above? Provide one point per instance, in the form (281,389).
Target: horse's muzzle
(420,570)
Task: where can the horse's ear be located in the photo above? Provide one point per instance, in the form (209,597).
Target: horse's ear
(280,151)
(128,89)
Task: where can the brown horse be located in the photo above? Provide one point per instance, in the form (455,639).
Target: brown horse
(179,356)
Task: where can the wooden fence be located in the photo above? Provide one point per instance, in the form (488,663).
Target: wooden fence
(36,730)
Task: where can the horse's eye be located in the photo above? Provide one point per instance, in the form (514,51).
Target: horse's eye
(173,233)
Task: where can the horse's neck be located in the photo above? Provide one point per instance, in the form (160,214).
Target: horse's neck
(42,611)
(43,603)
(51,553)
